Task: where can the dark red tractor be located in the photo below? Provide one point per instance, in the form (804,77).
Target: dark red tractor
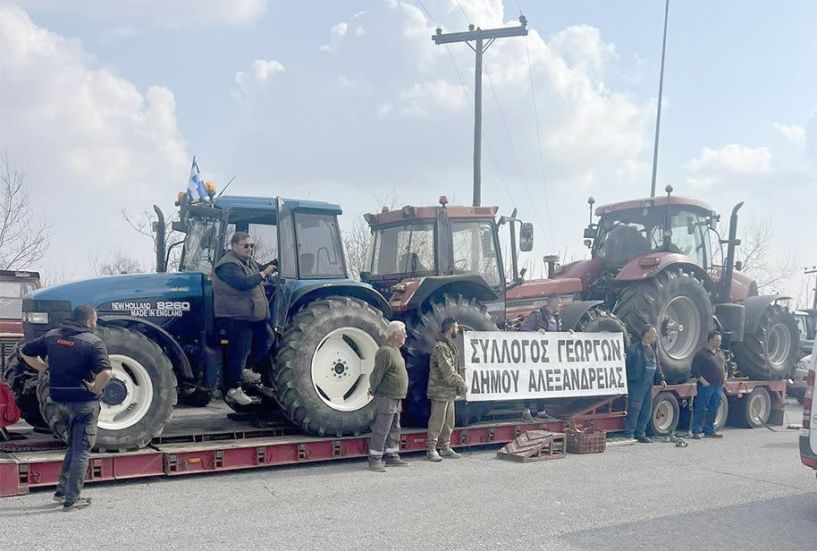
(660,261)
(444,261)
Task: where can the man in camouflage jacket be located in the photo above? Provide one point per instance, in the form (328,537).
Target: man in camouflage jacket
(445,382)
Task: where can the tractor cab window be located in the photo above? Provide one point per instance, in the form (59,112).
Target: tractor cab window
(320,254)
(201,245)
(475,250)
(265,237)
(403,250)
(11,298)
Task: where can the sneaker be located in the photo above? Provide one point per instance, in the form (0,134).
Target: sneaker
(697,435)
(395,461)
(448,453)
(713,435)
(644,439)
(59,497)
(80,503)
(238,396)
(376,464)
(250,376)
(432,455)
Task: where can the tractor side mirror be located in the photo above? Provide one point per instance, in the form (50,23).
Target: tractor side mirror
(179,226)
(526,237)
(589,232)
(739,265)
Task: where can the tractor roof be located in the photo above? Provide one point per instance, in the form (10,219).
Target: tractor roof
(676,200)
(228,202)
(429,213)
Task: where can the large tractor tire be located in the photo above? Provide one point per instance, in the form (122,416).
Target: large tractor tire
(138,401)
(24,385)
(770,353)
(679,306)
(471,316)
(323,366)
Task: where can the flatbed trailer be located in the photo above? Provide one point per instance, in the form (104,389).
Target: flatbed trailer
(198,444)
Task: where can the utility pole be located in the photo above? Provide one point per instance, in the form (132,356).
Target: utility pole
(807,273)
(483,40)
(660,96)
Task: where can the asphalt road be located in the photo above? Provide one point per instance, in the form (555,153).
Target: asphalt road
(747,491)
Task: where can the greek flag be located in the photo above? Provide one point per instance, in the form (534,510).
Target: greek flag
(195,187)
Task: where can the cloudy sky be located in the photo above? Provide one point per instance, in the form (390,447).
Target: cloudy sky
(103,104)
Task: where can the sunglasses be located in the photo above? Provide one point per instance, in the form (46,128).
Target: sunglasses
(248,245)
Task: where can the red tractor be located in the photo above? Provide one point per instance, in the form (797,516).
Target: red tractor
(444,261)
(660,261)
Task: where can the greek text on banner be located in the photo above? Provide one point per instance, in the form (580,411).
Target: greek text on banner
(514,366)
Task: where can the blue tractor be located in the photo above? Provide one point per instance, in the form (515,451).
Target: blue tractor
(165,345)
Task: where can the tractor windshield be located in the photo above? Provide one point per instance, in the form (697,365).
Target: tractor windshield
(627,234)
(475,250)
(403,250)
(200,245)
(320,253)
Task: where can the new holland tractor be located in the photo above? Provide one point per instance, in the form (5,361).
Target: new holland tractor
(661,261)
(444,261)
(165,345)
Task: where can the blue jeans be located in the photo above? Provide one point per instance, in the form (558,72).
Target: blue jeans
(706,409)
(639,408)
(80,418)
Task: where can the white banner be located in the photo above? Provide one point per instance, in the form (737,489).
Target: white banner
(514,366)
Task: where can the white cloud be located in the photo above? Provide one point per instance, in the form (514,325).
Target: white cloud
(119,32)
(425,98)
(89,141)
(336,36)
(164,13)
(794,133)
(718,166)
(582,47)
(359,30)
(259,72)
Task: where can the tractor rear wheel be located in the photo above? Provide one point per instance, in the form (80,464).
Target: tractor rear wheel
(323,366)
(770,353)
(138,401)
(470,316)
(24,386)
(679,306)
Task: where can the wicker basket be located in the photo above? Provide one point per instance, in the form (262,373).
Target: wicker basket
(587,441)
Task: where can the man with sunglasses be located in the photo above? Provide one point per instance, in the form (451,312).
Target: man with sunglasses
(241,309)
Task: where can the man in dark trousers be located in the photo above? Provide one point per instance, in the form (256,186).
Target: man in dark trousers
(445,382)
(546,318)
(388,383)
(79,369)
(708,368)
(643,371)
(241,309)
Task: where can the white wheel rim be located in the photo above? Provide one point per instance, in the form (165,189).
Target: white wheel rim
(664,416)
(135,379)
(759,407)
(720,417)
(778,344)
(341,366)
(680,327)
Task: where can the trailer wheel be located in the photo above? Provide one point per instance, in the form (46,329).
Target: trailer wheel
(665,414)
(770,353)
(723,412)
(323,366)
(24,386)
(753,410)
(679,306)
(138,401)
(471,316)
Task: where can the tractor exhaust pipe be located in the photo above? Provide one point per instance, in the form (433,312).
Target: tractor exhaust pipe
(731,245)
(159,243)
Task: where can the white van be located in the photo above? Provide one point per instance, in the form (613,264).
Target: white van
(808,434)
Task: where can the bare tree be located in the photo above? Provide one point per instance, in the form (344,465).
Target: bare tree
(756,255)
(356,243)
(143,224)
(115,263)
(22,240)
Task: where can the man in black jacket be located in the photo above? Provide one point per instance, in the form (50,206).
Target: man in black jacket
(242,309)
(643,371)
(79,369)
(708,368)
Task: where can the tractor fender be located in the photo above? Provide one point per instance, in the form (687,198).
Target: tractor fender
(755,308)
(650,265)
(416,292)
(160,336)
(572,312)
(307,293)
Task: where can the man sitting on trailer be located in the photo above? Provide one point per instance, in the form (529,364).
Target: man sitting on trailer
(643,371)
(388,383)
(546,318)
(241,308)
(708,368)
(79,370)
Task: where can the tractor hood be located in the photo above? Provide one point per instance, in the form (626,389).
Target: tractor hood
(587,271)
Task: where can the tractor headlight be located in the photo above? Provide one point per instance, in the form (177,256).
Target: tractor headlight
(36,317)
